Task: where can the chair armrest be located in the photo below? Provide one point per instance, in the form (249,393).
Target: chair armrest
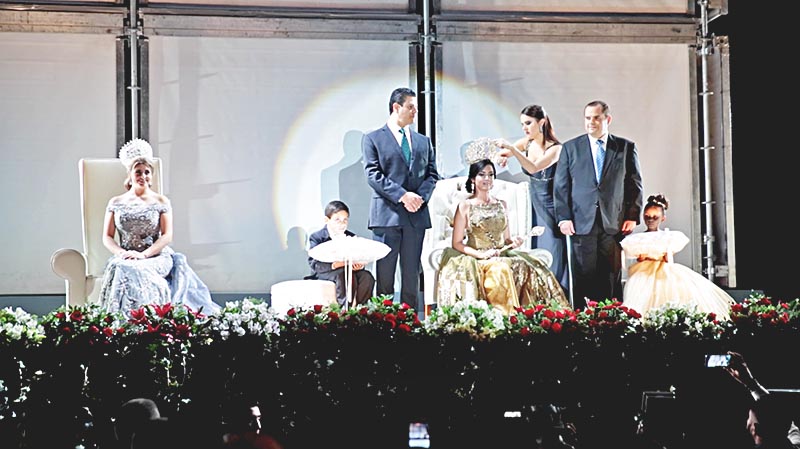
(70,265)
(435,258)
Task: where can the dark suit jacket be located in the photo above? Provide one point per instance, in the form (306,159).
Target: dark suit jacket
(390,177)
(619,194)
(316,238)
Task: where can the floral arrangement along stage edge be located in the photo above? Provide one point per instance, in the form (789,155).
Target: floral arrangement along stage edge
(369,356)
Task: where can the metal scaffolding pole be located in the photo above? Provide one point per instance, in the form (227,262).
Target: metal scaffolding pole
(426,66)
(706,148)
(133,32)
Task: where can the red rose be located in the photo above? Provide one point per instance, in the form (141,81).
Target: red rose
(404,327)
(556,327)
(401,314)
(362,311)
(333,316)
(108,331)
(317,308)
(94,329)
(389,302)
(545,323)
(76,315)
(61,315)
(291,312)
(524,331)
(513,319)
(529,313)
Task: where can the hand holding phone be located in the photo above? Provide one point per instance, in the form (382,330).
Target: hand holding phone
(718,360)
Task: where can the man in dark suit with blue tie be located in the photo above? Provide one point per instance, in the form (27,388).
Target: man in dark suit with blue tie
(598,200)
(400,165)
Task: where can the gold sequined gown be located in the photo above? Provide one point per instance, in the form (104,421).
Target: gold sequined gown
(512,280)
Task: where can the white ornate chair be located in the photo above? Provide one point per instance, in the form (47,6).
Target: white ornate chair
(100,179)
(446,196)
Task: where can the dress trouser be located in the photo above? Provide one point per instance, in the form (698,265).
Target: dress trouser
(596,264)
(363,283)
(405,242)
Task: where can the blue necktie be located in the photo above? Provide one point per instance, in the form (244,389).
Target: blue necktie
(405,146)
(599,159)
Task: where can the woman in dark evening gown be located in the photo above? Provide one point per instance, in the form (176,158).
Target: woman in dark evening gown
(538,154)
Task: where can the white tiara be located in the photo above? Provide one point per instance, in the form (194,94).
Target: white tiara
(135,149)
(480,149)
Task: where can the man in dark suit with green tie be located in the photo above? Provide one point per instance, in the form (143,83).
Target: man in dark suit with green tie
(400,166)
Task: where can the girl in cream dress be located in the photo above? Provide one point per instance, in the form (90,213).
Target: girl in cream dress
(655,280)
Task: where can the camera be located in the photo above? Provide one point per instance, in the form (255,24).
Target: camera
(718,360)
(418,435)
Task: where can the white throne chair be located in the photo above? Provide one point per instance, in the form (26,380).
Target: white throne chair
(100,179)
(446,196)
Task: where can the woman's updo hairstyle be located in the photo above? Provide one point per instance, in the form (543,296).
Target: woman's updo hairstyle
(474,169)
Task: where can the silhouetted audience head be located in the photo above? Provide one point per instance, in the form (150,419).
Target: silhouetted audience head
(155,434)
(243,415)
(768,421)
(244,428)
(132,416)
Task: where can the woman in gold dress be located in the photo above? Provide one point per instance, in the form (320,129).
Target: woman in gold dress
(482,263)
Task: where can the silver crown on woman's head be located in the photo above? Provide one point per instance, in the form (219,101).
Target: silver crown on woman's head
(480,149)
(135,149)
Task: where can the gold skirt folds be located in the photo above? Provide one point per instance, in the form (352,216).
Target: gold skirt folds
(512,280)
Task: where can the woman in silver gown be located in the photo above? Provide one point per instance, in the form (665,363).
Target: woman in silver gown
(144,269)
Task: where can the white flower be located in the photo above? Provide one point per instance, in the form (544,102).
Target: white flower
(475,317)
(17,324)
(249,316)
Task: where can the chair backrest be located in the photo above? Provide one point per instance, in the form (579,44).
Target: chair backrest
(448,193)
(100,180)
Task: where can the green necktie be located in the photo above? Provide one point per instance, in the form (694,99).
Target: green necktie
(405,146)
